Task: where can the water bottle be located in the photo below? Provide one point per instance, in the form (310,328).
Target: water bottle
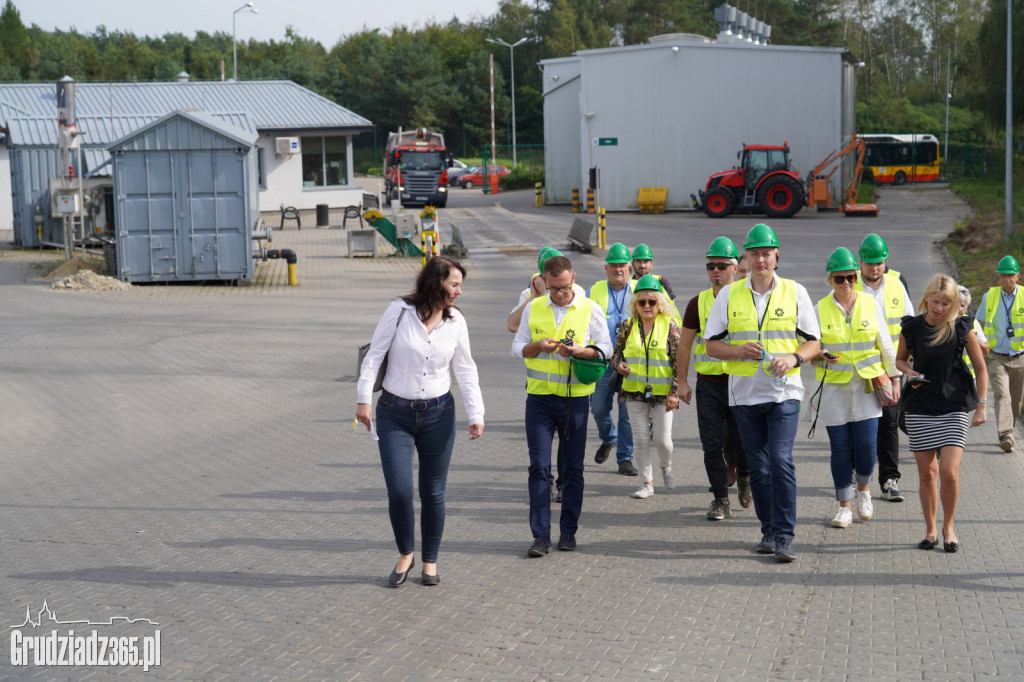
(766,360)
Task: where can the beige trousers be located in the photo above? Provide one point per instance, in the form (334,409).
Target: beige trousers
(1006,383)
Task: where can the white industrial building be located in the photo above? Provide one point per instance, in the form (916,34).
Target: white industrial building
(671,112)
(303,149)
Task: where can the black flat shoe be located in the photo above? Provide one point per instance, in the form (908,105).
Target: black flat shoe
(431,579)
(951,547)
(396,579)
(928,544)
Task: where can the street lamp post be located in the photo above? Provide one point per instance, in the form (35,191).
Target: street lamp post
(512,66)
(247,7)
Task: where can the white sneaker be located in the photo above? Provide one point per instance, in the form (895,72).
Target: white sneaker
(865,509)
(843,519)
(669,478)
(646,490)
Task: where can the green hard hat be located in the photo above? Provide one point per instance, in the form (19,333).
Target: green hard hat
(873,249)
(642,252)
(589,371)
(545,253)
(723,247)
(761,236)
(1008,266)
(618,253)
(841,259)
(648,282)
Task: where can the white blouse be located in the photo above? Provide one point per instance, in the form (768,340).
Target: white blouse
(420,364)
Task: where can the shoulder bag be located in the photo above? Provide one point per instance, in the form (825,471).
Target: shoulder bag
(378,383)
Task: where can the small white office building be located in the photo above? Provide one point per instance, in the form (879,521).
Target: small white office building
(303,146)
(672,112)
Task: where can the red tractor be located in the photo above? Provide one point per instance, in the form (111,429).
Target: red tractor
(764,182)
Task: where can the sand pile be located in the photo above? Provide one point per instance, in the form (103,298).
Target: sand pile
(87,280)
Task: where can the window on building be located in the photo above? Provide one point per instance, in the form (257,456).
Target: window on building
(323,161)
(261,178)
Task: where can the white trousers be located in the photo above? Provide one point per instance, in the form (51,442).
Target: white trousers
(648,420)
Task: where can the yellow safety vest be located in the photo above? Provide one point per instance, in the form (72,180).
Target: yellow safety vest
(854,343)
(777,333)
(648,362)
(894,296)
(702,362)
(967,358)
(551,373)
(994,298)
(599,294)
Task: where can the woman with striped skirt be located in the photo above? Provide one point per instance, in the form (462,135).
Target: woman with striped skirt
(939,398)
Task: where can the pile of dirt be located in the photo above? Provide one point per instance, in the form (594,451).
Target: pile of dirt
(978,235)
(87,280)
(71,267)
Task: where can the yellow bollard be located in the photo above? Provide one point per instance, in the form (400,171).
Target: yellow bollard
(575,199)
(428,244)
(602,229)
(590,200)
(538,199)
(293,279)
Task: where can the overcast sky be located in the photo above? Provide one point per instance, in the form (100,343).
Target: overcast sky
(323,20)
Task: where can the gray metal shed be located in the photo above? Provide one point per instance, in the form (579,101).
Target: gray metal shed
(185,200)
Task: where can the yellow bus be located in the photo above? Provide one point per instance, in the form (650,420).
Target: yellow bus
(902,158)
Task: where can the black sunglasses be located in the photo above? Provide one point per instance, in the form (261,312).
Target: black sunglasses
(647,302)
(719,266)
(839,279)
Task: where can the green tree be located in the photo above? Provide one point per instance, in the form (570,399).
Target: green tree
(991,67)
(15,45)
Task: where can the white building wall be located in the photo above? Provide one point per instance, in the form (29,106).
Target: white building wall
(562,121)
(681,110)
(283,179)
(6,203)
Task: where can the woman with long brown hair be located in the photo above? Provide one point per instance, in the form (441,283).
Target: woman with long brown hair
(425,338)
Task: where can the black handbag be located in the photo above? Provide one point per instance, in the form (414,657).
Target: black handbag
(378,383)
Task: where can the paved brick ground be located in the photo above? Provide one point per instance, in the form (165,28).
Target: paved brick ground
(184,454)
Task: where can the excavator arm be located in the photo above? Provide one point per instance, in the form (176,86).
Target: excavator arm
(817,181)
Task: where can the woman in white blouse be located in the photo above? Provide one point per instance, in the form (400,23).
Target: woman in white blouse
(855,350)
(425,338)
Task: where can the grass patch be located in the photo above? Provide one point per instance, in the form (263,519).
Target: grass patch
(977,245)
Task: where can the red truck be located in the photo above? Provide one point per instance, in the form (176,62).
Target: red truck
(416,164)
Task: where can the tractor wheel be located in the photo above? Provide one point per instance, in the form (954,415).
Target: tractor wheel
(780,196)
(900,178)
(718,203)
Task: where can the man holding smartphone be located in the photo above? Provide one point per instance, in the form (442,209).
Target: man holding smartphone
(555,329)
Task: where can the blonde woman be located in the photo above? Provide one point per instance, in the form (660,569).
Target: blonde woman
(938,400)
(855,348)
(645,356)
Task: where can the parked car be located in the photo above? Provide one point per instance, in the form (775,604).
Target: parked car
(457,170)
(476,178)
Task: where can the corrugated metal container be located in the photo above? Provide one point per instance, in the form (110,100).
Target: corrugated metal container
(185,200)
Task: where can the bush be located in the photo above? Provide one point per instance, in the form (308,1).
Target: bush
(375,170)
(521,178)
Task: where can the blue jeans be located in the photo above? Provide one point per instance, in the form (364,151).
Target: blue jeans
(768,431)
(432,433)
(860,437)
(601,405)
(547,416)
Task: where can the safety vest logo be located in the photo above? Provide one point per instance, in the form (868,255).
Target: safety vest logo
(895,301)
(570,333)
(654,343)
(864,323)
(779,312)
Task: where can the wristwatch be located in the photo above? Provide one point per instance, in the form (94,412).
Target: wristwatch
(983,402)
(799,359)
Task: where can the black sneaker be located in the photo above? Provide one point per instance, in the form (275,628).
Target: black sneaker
(540,547)
(602,452)
(891,492)
(566,543)
(626,468)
